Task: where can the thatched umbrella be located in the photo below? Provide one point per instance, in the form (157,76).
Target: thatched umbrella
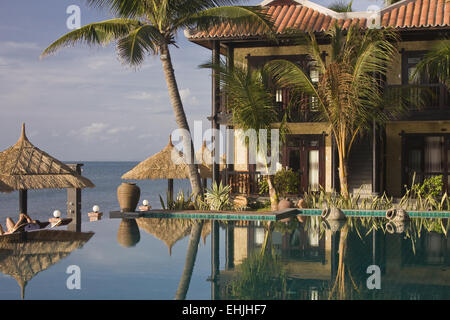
(167,230)
(23,255)
(23,167)
(5,188)
(168,164)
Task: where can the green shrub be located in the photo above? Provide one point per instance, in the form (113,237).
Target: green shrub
(285,182)
(430,187)
(181,202)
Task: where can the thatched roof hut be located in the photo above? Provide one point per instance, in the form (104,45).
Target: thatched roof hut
(204,156)
(23,166)
(5,188)
(166,164)
(170,231)
(23,255)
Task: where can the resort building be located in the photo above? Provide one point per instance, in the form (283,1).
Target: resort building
(384,160)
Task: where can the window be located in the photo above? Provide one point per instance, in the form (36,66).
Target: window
(426,156)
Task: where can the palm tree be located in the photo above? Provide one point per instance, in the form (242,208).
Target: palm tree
(341,6)
(149,27)
(437,63)
(348,95)
(250,98)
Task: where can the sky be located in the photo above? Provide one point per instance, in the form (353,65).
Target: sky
(83,104)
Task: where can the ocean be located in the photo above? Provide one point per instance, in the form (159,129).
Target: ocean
(105,176)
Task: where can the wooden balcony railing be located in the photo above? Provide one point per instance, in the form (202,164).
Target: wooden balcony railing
(421,97)
(242,182)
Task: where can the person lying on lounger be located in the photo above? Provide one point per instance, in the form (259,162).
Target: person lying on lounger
(25,223)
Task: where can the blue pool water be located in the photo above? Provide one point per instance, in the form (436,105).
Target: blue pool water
(304,258)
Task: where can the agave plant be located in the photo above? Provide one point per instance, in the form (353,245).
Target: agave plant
(217,198)
(181,202)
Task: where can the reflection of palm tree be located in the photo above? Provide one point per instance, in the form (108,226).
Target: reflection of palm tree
(26,254)
(191,255)
(339,289)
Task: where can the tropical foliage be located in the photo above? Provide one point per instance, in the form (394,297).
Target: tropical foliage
(260,277)
(285,180)
(341,6)
(217,198)
(181,202)
(150,27)
(348,95)
(251,100)
(436,63)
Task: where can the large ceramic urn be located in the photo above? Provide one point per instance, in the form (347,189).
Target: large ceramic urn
(128,195)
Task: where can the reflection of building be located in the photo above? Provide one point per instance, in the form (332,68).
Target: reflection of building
(311,258)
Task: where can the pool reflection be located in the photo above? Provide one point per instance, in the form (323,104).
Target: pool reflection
(311,259)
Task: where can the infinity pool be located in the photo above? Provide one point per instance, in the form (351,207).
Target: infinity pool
(302,258)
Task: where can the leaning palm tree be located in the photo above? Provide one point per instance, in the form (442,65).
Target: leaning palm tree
(149,27)
(348,96)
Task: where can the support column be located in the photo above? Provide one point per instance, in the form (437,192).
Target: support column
(215,106)
(375,161)
(74,203)
(170,189)
(23,201)
(215,109)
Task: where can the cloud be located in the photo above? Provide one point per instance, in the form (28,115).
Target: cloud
(94,129)
(120,129)
(187,97)
(141,95)
(15,45)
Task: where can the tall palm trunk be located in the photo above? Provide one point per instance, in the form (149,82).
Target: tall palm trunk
(272,194)
(180,117)
(191,255)
(343,175)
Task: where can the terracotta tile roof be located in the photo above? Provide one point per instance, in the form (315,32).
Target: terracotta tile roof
(304,15)
(416,14)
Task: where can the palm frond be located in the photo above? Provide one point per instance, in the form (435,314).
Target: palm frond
(100,33)
(143,40)
(241,16)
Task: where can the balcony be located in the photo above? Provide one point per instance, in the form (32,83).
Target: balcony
(425,102)
(242,182)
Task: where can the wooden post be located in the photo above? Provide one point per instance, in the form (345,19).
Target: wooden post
(229,246)
(170,190)
(23,201)
(74,203)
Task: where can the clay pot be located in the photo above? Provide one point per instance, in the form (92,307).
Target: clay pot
(397,215)
(128,234)
(397,226)
(333,225)
(128,195)
(333,214)
(284,204)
